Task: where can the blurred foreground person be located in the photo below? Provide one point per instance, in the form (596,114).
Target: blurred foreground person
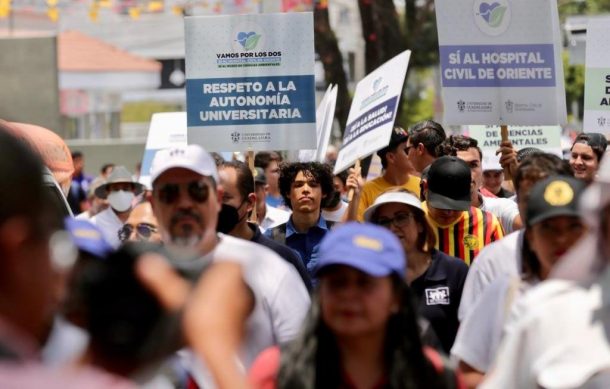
(557,335)
(27,277)
(258,292)
(362,329)
(435,278)
(586,154)
(130,332)
(503,258)
(553,227)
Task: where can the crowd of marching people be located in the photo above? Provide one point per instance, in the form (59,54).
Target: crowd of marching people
(441,272)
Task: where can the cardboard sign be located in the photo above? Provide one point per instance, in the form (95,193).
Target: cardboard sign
(166,130)
(501,62)
(545,138)
(373,111)
(250,82)
(597,77)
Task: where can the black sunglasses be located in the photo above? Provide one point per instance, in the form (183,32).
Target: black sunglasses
(197,190)
(145,230)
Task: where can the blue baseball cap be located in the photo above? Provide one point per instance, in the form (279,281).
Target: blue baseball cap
(369,248)
(87,237)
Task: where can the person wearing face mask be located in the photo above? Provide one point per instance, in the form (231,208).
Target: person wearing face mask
(239,198)
(120,189)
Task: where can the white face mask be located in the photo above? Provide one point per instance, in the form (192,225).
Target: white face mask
(120,200)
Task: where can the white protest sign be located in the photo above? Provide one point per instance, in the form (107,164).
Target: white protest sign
(250,82)
(373,111)
(501,62)
(308,155)
(545,138)
(327,126)
(166,130)
(597,77)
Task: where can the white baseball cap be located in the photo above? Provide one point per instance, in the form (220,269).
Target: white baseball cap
(191,157)
(392,197)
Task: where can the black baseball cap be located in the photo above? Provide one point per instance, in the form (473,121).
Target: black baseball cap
(554,196)
(259,176)
(398,136)
(449,182)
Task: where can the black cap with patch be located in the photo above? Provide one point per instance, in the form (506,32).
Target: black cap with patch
(554,196)
(449,182)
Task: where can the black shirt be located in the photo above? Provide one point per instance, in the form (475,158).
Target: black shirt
(438,292)
(283,251)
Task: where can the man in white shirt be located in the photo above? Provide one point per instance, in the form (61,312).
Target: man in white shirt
(271,300)
(557,336)
(120,189)
(504,256)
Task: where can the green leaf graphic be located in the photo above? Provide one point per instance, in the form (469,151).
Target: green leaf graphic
(495,19)
(251,42)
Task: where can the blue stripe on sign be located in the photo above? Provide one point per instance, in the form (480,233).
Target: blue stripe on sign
(373,118)
(526,65)
(250,100)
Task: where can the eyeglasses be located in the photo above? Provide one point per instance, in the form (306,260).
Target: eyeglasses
(144,230)
(399,220)
(406,149)
(197,190)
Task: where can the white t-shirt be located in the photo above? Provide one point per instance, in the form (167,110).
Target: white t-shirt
(504,209)
(274,217)
(110,224)
(502,257)
(480,332)
(281,301)
(556,337)
(335,216)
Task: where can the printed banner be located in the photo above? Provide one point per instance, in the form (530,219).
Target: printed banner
(250,82)
(597,77)
(373,111)
(545,138)
(166,130)
(501,62)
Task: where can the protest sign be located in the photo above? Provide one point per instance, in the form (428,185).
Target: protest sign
(501,62)
(545,138)
(166,130)
(250,82)
(327,126)
(309,155)
(597,77)
(373,111)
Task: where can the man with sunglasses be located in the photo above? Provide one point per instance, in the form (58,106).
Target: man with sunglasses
(424,138)
(270,299)
(141,225)
(397,172)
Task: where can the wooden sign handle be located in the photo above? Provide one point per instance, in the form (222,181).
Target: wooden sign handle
(253,217)
(504,134)
(350,194)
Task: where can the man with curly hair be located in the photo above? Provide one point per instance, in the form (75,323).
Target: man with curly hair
(305,187)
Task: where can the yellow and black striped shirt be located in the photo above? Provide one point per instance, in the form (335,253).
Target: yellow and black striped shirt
(468,235)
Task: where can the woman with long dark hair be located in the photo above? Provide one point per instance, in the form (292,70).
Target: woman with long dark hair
(362,329)
(435,278)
